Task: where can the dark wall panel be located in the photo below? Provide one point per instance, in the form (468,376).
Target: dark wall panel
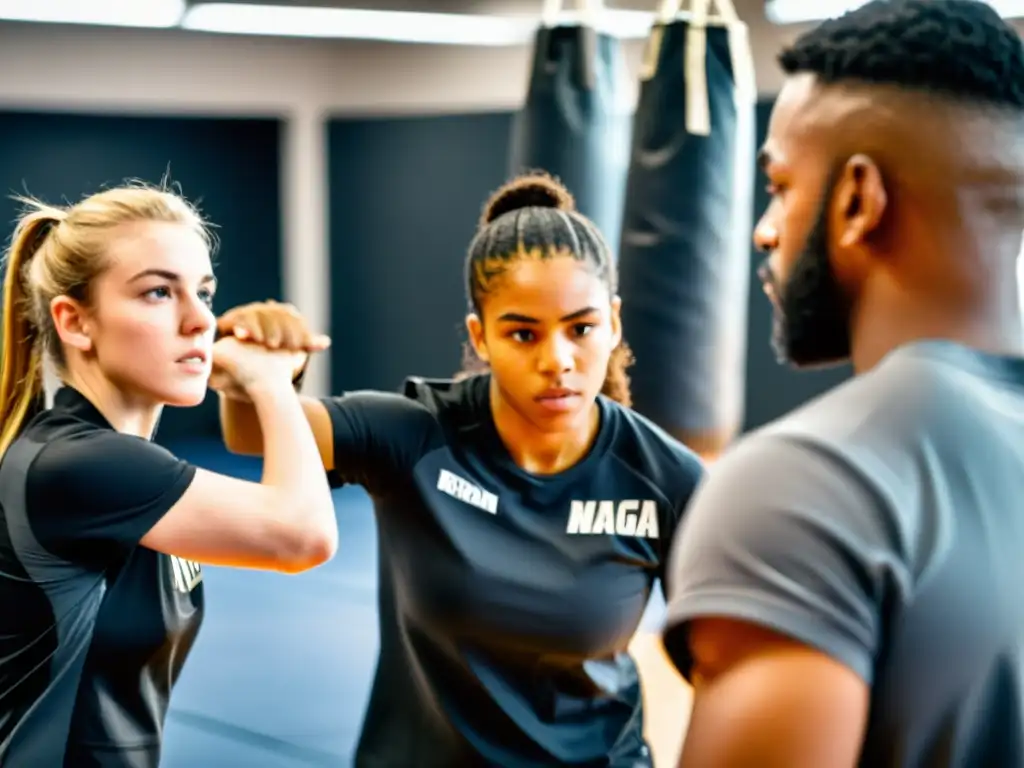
(229,166)
(404,202)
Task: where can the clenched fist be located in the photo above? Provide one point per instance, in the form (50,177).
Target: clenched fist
(277,328)
(274,325)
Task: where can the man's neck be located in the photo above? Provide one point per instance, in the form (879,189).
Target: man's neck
(992,325)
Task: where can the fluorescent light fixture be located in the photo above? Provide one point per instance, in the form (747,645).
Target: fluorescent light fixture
(115,13)
(412,27)
(801,11)
(397,26)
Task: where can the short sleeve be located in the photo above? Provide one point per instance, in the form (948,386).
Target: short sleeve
(378,438)
(92,497)
(787,536)
(689,473)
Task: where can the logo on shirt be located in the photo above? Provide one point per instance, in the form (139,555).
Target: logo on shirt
(629,517)
(186,574)
(465,491)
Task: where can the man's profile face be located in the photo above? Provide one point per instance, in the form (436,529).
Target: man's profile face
(811,314)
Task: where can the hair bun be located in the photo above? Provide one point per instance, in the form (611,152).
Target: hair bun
(532,190)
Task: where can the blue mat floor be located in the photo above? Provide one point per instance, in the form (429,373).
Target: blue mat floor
(282,667)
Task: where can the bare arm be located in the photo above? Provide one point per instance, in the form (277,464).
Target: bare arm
(243,435)
(763,699)
(365,438)
(275,326)
(285,523)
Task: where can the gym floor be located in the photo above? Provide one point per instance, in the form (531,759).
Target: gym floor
(282,669)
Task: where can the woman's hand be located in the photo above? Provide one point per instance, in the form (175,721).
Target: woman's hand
(261,341)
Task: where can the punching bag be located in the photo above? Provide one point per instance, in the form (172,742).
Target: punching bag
(577,115)
(685,252)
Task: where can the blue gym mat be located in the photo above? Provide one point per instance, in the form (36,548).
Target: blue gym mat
(281,671)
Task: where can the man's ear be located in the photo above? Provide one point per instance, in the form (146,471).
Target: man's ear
(860,201)
(475,331)
(72,322)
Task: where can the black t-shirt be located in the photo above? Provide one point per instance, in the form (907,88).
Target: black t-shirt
(883,525)
(94,628)
(507,600)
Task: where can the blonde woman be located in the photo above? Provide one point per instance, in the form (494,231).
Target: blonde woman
(102,532)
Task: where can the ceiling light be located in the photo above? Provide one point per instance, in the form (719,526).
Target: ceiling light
(296,21)
(117,13)
(397,26)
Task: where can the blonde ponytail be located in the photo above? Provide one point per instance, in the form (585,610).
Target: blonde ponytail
(21,373)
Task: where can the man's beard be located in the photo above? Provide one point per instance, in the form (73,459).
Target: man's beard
(811,324)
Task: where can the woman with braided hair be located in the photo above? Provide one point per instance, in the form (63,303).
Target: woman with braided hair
(524,511)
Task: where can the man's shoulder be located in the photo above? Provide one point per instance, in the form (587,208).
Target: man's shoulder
(915,414)
(905,397)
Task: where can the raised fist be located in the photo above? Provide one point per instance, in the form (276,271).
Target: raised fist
(260,340)
(274,325)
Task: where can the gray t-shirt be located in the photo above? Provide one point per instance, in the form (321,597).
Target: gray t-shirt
(883,524)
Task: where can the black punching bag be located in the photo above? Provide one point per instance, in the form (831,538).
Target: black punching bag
(576,120)
(685,251)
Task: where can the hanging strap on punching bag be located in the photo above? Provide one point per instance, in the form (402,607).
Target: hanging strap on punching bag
(697,19)
(577,115)
(586,19)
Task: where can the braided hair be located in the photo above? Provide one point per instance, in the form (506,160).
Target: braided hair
(534,216)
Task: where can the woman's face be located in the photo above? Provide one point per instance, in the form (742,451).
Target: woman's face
(149,327)
(547,331)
